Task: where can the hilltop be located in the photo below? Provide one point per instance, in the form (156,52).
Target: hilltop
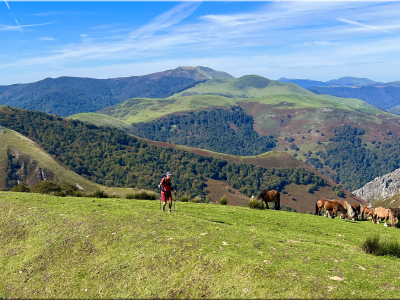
(66,96)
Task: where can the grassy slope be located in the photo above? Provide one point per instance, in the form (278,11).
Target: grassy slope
(110,248)
(251,86)
(27,146)
(24,145)
(100,120)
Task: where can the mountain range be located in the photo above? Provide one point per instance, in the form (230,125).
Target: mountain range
(66,96)
(214,115)
(385,96)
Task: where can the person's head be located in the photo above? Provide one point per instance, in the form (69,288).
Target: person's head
(169,175)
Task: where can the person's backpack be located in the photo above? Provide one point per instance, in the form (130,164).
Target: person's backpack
(159,182)
(170,182)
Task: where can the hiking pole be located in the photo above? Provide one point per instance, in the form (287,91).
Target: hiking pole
(175,200)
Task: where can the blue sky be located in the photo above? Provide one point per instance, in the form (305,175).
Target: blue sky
(309,40)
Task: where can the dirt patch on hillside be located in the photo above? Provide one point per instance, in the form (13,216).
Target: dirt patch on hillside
(297,197)
(217,189)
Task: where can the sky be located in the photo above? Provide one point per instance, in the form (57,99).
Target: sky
(97,39)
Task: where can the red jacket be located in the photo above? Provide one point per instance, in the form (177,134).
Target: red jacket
(166,185)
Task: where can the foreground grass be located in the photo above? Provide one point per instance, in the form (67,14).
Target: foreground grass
(53,247)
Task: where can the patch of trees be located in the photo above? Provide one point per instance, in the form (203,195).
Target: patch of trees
(353,164)
(113,158)
(228,131)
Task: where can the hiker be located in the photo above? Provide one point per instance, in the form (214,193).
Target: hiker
(166,186)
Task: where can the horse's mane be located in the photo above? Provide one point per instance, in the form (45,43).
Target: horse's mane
(261,194)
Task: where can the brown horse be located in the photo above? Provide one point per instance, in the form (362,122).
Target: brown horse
(366,212)
(331,208)
(270,196)
(396,214)
(319,205)
(383,213)
(349,210)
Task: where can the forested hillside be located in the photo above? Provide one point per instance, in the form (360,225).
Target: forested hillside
(351,161)
(221,130)
(66,96)
(112,157)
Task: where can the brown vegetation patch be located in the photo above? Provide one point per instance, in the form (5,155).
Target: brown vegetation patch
(217,189)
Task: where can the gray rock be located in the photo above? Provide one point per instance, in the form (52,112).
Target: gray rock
(381,187)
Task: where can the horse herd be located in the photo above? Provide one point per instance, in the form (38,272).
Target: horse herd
(356,211)
(332,207)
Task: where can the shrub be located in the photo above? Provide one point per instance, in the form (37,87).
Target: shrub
(184,198)
(255,203)
(339,193)
(46,187)
(196,199)
(312,188)
(223,200)
(98,194)
(22,188)
(143,195)
(373,244)
(208,199)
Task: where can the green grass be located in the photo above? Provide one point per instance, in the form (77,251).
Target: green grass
(101,120)
(117,248)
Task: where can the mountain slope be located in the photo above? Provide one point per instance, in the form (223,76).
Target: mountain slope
(345,81)
(384,96)
(23,160)
(66,96)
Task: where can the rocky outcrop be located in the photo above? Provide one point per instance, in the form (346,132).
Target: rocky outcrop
(381,187)
(22,168)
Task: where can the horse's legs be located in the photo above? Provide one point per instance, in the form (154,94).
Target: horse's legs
(386,219)
(266,203)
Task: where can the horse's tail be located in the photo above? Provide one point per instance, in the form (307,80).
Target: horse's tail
(350,210)
(260,195)
(316,209)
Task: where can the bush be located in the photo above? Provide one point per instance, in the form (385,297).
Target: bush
(184,198)
(99,194)
(375,245)
(22,188)
(46,187)
(339,193)
(223,200)
(143,195)
(312,188)
(208,199)
(255,203)
(196,199)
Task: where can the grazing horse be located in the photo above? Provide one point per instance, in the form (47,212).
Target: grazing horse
(332,206)
(366,212)
(357,209)
(349,210)
(383,213)
(319,205)
(396,214)
(270,196)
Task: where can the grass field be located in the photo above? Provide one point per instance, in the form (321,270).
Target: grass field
(101,120)
(114,248)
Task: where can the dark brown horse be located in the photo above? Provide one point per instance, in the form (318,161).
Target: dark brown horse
(366,212)
(319,205)
(383,213)
(331,207)
(357,209)
(396,214)
(270,196)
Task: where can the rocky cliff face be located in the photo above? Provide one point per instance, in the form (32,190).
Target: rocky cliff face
(381,187)
(22,168)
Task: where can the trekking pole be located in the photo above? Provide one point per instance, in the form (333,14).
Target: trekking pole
(175,201)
